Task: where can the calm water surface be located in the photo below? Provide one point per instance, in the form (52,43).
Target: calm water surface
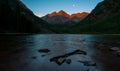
(17,52)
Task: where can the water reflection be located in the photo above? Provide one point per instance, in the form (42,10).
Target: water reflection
(106,58)
(20,52)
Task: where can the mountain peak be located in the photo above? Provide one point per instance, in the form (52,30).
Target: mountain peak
(79,15)
(52,14)
(59,13)
(62,13)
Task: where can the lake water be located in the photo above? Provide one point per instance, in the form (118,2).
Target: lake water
(20,52)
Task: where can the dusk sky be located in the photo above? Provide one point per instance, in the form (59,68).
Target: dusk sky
(43,7)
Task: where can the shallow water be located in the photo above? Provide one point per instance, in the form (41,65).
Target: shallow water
(17,52)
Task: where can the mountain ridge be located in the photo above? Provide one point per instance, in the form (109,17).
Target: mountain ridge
(104,18)
(64,17)
(61,13)
(17,18)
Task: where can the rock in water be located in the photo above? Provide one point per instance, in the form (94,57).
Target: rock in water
(34,57)
(88,70)
(58,59)
(68,61)
(114,49)
(118,53)
(88,63)
(44,50)
(43,55)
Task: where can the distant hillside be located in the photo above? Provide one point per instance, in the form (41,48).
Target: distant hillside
(105,18)
(17,18)
(62,17)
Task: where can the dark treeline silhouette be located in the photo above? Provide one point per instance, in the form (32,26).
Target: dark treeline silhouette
(17,18)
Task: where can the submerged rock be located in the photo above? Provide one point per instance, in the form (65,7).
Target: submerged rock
(61,59)
(34,57)
(88,63)
(68,61)
(114,49)
(118,53)
(44,50)
(43,55)
(88,70)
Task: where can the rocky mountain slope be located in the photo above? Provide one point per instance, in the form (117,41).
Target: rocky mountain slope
(17,18)
(104,10)
(62,17)
(105,18)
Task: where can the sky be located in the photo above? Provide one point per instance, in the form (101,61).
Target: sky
(43,7)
